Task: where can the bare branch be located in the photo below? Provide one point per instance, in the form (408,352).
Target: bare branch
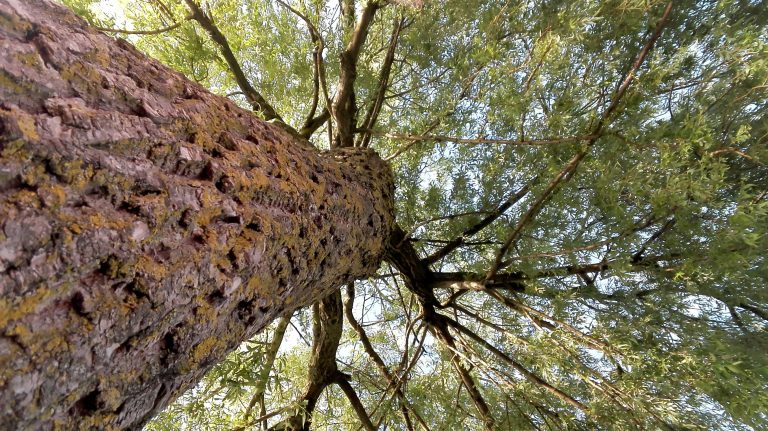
(529,375)
(630,76)
(344,107)
(465,86)
(312,123)
(144,32)
(534,210)
(732,150)
(266,368)
(368,347)
(638,256)
(490,218)
(438,323)
(254,97)
(354,400)
(754,310)
(386,68)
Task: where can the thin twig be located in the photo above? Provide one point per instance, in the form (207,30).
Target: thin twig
(143,32)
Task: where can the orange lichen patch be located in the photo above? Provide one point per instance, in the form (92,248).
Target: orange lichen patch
(34,175)
(29,59)
(25,199)
(15,308)
(19,126)
(149,266)
(72,172)
(81,76)
(20,331)
(112,398)
(26,124)
(99,55)
(8,82)
(15,149)
(257,180)
(99,220)
(112,267)
(12,23)
(204,349)
(209,198)
(56,342)
(204,312)
(204,141)
(52,195)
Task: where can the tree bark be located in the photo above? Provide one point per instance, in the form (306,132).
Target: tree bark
(147,227)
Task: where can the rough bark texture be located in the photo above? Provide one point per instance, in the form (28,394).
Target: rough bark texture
(147,227)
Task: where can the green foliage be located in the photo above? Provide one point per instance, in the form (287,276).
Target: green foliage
(671,197)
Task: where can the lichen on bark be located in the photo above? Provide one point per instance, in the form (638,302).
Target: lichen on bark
(147,226)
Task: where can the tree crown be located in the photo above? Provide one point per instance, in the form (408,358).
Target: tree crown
(581,188)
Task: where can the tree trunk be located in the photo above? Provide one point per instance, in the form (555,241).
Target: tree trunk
(148,227)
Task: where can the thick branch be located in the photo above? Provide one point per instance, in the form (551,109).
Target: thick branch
(480,141)
(143,32)
(312,123)
(516,281)
(534,210)
(344,107)
(322,371)
(354,400)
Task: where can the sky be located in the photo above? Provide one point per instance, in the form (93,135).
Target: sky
(113,9)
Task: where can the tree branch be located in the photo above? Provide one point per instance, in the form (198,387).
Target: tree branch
(344,108)
(266,367)
(354,400)
(438,323)
(312,123)
(529,375)
(630,76)
(572,164)
(466,84)
(368,347)
(534,210)
(144,32)
(490,218)
(386,68)
(479,141)
(256,100)
(322,370)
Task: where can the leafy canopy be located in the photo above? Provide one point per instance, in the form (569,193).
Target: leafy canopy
(585,181)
